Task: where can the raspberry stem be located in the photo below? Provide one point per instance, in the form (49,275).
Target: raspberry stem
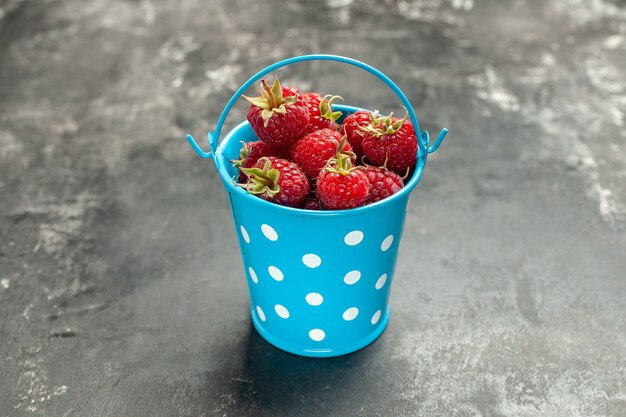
(326,110)
(268,92)
(342,162)
(262,181)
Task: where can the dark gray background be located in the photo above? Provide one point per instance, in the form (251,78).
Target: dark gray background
(121,288)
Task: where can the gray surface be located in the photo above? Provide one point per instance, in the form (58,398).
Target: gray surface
(121,287)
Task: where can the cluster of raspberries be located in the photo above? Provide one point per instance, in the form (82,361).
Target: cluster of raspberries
(304,158)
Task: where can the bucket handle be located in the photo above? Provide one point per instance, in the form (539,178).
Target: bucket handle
(422,137)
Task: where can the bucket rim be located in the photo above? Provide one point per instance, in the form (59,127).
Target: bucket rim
(229,182)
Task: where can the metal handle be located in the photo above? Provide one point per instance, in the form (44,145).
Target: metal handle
(422,137)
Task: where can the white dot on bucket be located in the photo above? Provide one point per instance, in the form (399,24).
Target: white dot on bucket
(350,314)
(282,312)
(353,238)
(386,243)
(314,298)
(260,313)
(276,273)
(255,279)
(269,232)
(311,260)
(376,317)
(244,233)
(381,281)
(352,277)
(317,335)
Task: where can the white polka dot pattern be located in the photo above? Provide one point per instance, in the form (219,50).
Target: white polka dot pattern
(253,276)
(350,314)
(317,335)
(352,277)
(327,316)
(276,273)
(244,234)
(381,281)
(386,243)
(314,298)
(353,238)
(260,313)
(376,317)
(311,260)
(282,312)
(269,232)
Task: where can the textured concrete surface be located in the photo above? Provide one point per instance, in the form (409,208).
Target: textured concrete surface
(121,288)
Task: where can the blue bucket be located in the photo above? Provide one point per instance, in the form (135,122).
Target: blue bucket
(319,281)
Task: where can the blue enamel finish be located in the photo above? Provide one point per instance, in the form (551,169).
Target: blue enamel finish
(323,234)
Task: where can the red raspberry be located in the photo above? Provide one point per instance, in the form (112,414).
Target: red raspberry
(391,142)
(382,183)
(340,186)
(313,151)
(352,128)
(312,203)
(293,91)
(279,116)
(321,112)
(250,154)
(277,180)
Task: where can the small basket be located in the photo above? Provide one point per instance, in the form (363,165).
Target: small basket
(327,294)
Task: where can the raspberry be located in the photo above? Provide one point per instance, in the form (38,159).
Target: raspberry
(321,112)
(279,116)
(340,186)
(313,151)
(250,154)
(352,128)
(382,183)
(391,142)
(312,203)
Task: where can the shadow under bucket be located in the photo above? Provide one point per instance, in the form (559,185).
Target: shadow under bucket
(319,281)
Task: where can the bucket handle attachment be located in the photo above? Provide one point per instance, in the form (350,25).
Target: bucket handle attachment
(422,137)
